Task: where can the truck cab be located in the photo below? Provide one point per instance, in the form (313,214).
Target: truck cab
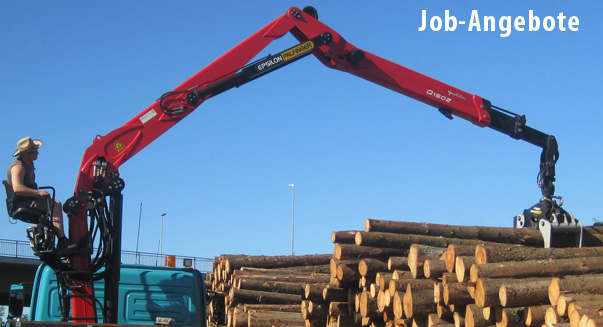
(145,294)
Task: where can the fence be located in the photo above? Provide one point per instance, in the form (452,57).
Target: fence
(21,249)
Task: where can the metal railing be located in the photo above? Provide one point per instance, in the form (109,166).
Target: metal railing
(21,249)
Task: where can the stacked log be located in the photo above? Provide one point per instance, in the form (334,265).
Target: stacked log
(264,291)
(411,274)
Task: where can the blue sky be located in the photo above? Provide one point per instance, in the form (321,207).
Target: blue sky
(75,69)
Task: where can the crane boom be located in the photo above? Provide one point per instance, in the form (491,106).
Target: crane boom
(98,174)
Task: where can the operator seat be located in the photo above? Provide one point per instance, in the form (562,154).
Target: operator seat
(28,215)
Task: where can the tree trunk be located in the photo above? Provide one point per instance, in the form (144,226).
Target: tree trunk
(474,317)
(565,300)
(418,303)
(584,283)
(533,316)
(314,291)
(417,255)
(271,318)
(402,284)
(272,307)
(486,254)
(486,291)
(368,305)
(519,293)
(457,294)
(272,286)
(462,267)
(455,250)
(335,294)
(247,296)
(382,279)
(343,237)
(508,317)
(592,236)
(398,263)
(525,236)
(353,251)
(538,268)
(233,262)
(369,267)
(398,304)
(404,241)
(434,269)
(338,308)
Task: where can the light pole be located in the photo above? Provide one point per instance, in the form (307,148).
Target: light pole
(138,235)
(161,238)
(292,216)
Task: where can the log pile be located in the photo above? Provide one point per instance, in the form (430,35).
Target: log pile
(412,274)
(264,291)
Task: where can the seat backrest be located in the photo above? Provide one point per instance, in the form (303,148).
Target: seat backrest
(28,215)
(10,195)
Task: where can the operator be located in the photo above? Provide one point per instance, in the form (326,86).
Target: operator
(22,178)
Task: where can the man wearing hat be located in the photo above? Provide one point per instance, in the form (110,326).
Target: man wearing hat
(22,178)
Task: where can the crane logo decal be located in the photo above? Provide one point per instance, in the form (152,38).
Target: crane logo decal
(298,50)
(119,146)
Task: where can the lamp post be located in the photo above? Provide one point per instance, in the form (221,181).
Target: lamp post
(292,216)
(161,238)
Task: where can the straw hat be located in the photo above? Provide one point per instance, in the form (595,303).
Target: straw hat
(26,144)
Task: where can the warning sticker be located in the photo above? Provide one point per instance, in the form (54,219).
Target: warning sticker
(119,146)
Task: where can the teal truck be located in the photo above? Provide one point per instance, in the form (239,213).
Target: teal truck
(147,295)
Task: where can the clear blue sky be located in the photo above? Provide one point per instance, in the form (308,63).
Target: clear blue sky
(75,69)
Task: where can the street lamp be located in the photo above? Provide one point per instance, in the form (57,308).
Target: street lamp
(161,238)
(292,216)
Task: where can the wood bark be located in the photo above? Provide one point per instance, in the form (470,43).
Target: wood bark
(455,250)
(247,296)
(486,254)
(343,237)
(272,307)
(534,315)
(382,279)
(565,300)
(398,304)
(338,308)
(457,294)
(418,303)
(434,269)
(486,291)
(402,284)
(519,293)
(584,283)
(314,291)
(525,236)
(368,305)
(272,318)
(272,286)
(233,262)
(508,317)
(462,267)
(312,277)
(353,251)
(404,241)
(474,317)
(398,263)
(418,253)
(538,268)
(369,267)
(335,294)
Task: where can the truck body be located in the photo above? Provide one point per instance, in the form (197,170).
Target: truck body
(145,293)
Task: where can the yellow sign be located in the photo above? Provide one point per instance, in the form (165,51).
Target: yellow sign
(298,50)
(119,146)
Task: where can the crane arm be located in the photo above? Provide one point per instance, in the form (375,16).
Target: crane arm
(100,163)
